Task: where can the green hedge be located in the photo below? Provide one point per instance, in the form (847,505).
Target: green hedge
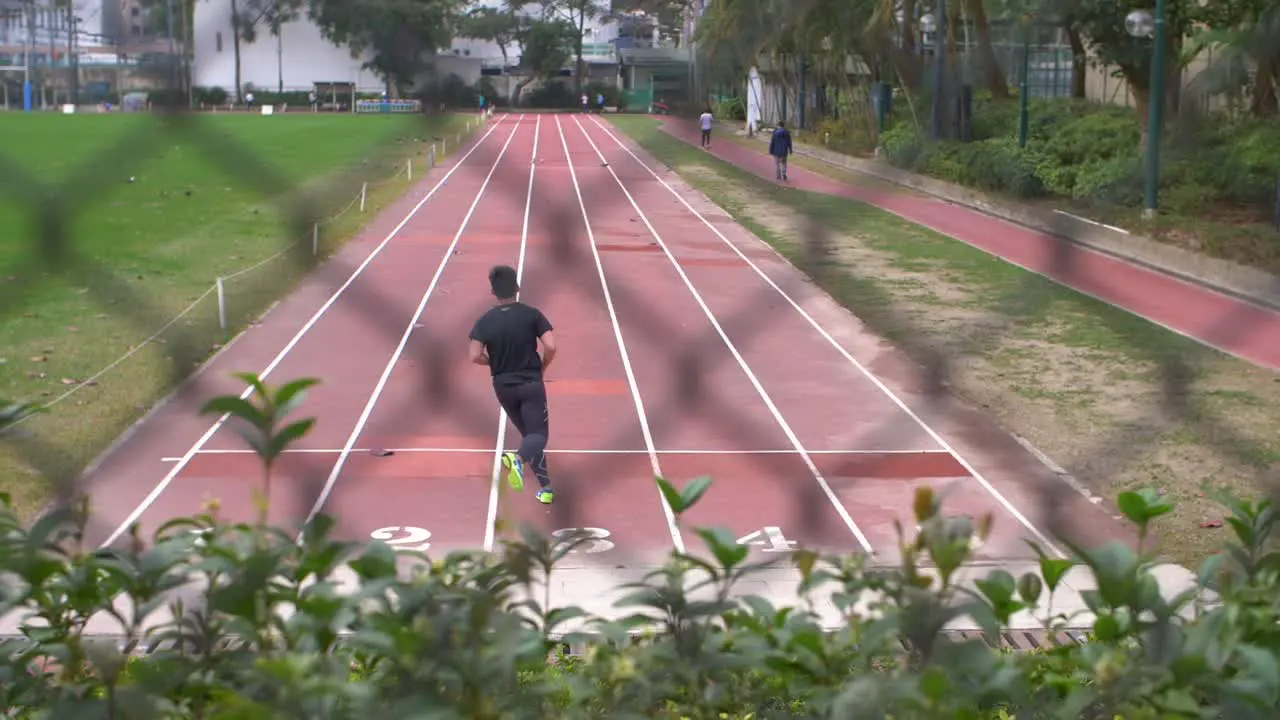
(1092,153)
(471,636)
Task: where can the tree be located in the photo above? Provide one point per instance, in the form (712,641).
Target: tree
(398,34)
(575,12)
(1101,26)
(500,26)
(545,48)
(667,15)
(1246,37)
(246,17)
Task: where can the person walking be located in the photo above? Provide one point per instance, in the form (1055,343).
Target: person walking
(780,149)
(506,339)
(706,119)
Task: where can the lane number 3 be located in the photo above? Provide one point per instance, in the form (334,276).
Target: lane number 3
(403,539)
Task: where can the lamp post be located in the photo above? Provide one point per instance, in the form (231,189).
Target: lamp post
(1141,24)
(1024,86)
(931,24)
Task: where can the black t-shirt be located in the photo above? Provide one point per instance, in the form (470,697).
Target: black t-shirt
(510,333)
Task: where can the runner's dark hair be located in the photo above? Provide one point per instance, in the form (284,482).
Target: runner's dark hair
(502,280)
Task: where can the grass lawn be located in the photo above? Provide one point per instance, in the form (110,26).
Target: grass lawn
(1080,380)
(111,225)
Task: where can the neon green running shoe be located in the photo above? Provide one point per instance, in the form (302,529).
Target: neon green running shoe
(545,496)
(515,470)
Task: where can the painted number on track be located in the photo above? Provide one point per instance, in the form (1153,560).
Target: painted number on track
(587,540)
(403,539)
(768,539)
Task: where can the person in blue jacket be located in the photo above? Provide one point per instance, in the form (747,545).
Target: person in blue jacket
(780,148)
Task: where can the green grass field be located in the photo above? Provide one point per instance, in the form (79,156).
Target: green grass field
(110,225)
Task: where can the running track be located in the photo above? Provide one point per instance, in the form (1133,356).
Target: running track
(1225,323)
(688,347)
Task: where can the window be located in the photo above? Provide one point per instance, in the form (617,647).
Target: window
(135,11)
(217,42)
(137,31)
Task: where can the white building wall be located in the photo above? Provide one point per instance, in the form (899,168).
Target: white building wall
(302,55)
(306,57)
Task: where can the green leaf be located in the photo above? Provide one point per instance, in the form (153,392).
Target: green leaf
(671,495)
(1029,588)
(235,407)
(694,491)
(724,547)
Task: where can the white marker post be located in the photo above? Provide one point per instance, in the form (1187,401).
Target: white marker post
(222,305)
(408,168)
(364,192)
(315,239)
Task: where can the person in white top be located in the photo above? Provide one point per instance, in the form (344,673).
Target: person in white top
(705,119)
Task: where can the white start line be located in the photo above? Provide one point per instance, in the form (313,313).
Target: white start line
(392,451)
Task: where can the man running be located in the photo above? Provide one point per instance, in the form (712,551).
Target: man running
(780,148)
(506,339)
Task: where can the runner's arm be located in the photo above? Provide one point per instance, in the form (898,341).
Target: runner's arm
(548,339)
(478,354)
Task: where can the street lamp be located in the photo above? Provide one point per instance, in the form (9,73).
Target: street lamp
(935,23)
(1024,87)
(1141,24)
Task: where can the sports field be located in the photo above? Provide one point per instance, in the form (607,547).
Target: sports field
(688,347)
(113,225)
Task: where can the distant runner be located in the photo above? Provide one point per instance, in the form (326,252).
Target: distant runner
(706,120)
(780,148)
(506,339)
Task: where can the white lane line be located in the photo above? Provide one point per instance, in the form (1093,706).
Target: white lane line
(491,518)
(996,494)
(733,350)
(672,527)
(332,480)
(594,451)
(167,480)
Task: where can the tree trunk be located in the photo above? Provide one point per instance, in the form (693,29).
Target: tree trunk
(1264,102)
(582,26)
(235,49)
(1079,62)
(996,79)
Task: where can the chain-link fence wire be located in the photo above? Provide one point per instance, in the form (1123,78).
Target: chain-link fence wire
(164,346)
(432,351)
(1094,148)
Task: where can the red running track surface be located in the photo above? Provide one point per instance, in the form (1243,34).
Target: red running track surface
(688,348)
(1219,321)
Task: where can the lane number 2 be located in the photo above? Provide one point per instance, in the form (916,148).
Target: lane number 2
(768,539)
(588,540)
(411,539)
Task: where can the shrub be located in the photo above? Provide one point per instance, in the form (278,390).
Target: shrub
(998,164)
(905,146)
(467,635)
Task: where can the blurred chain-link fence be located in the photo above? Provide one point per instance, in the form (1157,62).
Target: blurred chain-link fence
(172,340)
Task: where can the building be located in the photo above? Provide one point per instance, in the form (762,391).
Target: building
(302,56)
(93,28)
(294,61)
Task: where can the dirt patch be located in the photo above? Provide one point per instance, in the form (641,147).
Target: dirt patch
(1053,373)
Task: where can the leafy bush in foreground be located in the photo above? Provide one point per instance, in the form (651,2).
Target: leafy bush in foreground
(251,621)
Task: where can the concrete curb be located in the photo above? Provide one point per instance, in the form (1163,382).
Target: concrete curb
(1238,281)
